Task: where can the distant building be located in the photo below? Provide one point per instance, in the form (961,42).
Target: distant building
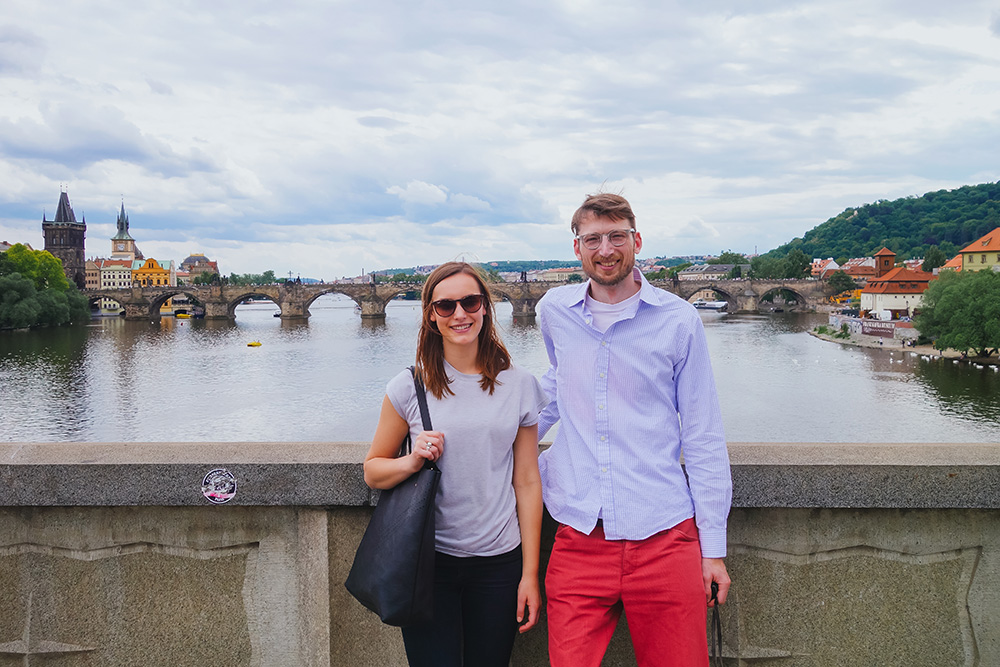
(860,268)
(64,238)
(561,275)
(114,274)
(953,264)
(122,244)
(897,289)
(153,273)
(4,246)
(822,268)
(197,264)
(711,271)
(93,271)
(983,253)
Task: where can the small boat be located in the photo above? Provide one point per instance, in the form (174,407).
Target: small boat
(253,343)
(710,305)
(182,316)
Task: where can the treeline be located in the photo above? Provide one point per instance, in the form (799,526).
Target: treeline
(34,291)
(947,219)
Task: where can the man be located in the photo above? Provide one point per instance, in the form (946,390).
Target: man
(632,387)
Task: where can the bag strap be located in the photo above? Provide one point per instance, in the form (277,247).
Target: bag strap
(716,630)
(425,415)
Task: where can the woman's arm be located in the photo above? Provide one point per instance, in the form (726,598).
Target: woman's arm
(383,469)
(528,494)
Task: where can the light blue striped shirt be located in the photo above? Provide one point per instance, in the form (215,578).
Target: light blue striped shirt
(629,401)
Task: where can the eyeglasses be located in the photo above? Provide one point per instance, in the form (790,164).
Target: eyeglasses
(617,238)
(446,307)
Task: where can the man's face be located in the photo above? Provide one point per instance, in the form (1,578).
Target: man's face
(606,265)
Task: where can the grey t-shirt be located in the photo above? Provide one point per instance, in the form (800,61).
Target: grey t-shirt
(476,512)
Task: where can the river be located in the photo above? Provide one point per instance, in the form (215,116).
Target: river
(323,380)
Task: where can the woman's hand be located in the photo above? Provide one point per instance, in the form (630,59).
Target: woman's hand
(428,445)
(528,596)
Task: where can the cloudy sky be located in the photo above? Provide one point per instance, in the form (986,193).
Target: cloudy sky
(327,138)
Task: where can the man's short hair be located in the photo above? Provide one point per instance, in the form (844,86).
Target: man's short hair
(603,205)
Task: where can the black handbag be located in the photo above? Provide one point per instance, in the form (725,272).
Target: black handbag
(393,570)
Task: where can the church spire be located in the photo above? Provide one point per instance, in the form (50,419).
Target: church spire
(123,220)
(122,234)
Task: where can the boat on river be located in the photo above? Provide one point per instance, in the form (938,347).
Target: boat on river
(701,304)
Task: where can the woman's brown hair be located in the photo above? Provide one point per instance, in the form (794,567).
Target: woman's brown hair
(491,355)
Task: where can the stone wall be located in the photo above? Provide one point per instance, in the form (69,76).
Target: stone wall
(867,554)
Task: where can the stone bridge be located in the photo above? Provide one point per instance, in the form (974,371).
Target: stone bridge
(293,299)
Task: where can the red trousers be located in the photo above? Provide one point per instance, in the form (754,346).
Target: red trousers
(657,581)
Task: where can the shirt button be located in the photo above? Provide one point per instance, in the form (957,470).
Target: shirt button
(603,438)
(601,375)
(604,343)
(600,407)
(604,469)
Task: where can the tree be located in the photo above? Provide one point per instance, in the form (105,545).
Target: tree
(841,282)
(728,257)
(766,268)
(797,264)
(19,307)
(961,310)
(39,266)
(34,291)
(934,258)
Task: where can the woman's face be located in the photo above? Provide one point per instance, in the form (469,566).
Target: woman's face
(459,328)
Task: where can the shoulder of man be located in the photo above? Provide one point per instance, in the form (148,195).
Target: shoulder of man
(661,297)
(563,295)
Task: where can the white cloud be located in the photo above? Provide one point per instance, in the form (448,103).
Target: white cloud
(479,129)
(418,192)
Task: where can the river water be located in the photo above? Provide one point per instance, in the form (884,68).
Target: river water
(323,380)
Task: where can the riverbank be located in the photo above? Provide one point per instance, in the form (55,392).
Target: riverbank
(862,340)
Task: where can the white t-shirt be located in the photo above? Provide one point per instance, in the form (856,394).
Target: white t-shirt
(476,511)
(606,314)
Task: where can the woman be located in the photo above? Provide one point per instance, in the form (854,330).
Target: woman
(484,412)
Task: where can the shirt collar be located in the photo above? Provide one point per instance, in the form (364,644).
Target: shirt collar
(647,292)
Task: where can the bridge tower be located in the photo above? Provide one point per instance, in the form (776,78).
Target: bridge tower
(64,238)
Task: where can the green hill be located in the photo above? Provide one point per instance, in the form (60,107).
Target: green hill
(949,219)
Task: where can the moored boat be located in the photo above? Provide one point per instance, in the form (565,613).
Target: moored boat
(701,304)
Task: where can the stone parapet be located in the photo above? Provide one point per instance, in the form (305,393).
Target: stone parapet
(866,554)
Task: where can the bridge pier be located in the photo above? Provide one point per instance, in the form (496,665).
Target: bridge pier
(372,308)
(217,310)
(293,310)
(524,310)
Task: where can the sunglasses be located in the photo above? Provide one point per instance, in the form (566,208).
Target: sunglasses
(446,307)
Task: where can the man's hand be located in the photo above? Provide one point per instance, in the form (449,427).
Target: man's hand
(714,569)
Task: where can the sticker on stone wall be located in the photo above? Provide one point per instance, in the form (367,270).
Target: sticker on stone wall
(219,486)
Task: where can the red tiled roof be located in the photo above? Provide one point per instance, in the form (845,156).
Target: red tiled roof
(954,263)
(859,270)
(900,280)
(988,243)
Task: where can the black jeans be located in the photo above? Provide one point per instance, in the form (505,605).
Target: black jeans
(475,602)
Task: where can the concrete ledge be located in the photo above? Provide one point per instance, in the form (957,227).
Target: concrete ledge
(793,475)
(836,552)
(885,476)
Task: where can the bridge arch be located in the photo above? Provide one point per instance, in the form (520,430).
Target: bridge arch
(371,302)
(801,301)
